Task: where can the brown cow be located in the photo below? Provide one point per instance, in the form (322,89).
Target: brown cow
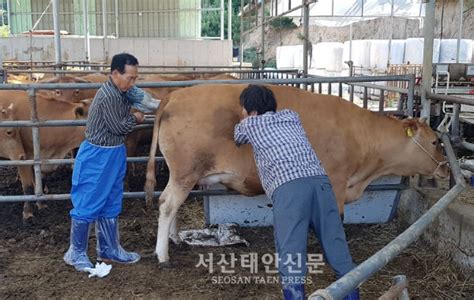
(94,78)
(11,146)
(356,146)
(67,95)
(56,142)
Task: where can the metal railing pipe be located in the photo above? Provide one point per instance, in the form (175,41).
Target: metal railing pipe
(382,87)
(36,143)
(69,161)
(53,86)
(450,99)
(15,198)
(410,95)
(148,123)
(62,197)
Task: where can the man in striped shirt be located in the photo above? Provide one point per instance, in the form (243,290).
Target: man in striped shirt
(100,167)
(294,178)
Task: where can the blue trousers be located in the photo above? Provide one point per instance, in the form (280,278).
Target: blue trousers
(97,182)
(299,205)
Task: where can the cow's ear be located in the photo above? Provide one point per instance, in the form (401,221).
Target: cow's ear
(410,127)
(86,102)
(10,108)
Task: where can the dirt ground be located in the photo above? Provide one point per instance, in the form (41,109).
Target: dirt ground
(31,264)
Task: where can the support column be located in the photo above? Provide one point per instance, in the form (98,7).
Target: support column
(428,33)
(86,29)
(57,34)
(305,37)
(262,56)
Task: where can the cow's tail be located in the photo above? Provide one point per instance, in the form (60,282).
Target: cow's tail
(151,166)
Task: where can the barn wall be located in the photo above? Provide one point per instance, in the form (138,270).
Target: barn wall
(169,52)
(144,18)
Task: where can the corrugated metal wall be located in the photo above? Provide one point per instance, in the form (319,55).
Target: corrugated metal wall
(21,15)
(141,18)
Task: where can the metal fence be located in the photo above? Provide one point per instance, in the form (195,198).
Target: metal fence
(45,65)
(197,71)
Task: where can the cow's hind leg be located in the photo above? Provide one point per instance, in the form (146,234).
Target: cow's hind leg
(173,196)
(174,224)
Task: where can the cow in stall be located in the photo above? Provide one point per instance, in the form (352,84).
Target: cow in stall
(56,142)
(194,131)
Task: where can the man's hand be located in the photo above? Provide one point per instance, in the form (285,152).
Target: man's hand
(139,116)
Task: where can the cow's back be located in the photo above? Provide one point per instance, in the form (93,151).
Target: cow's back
(198,124)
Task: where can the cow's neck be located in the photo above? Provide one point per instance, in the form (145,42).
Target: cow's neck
(384,141)
(393,145)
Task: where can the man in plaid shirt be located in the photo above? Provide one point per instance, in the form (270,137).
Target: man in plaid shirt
(293,177)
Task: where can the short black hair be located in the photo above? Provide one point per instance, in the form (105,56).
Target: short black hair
(258,98)
(120,60)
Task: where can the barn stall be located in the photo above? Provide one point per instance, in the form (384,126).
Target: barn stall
(49,232)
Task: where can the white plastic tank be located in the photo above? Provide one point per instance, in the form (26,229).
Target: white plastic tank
(297,56)
(328,56)
(448,51)
(414,50)
(360,53)
(284,57)
(379,53)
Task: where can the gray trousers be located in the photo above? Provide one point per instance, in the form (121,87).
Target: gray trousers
(298,205)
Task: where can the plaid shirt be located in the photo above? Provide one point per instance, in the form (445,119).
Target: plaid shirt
(282,151)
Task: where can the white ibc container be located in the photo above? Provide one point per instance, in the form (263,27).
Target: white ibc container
(284,57)
(378,54)
(297,56)
(448,51)
(360,52)
(414,51)
(397,52)
(327,56)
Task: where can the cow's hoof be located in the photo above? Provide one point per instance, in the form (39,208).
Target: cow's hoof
(27,217)
(29,222)
(41,206)
(165,265)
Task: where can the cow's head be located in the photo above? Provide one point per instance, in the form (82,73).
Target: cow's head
(423,149)
(10,139)
(66,95)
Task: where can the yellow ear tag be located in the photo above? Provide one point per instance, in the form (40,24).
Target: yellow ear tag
(409,132)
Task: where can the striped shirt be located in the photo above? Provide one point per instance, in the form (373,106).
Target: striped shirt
(281,149)
(109,119)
